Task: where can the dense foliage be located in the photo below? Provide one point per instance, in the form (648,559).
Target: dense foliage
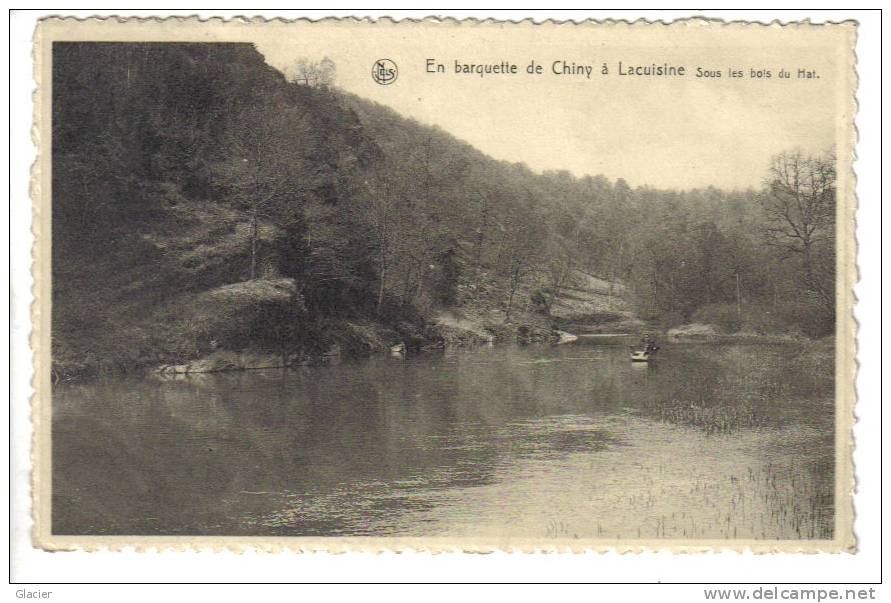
(180,170)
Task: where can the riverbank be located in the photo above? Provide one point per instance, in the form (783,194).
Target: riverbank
(263,324)
(710,333)
(333,339)
(362,338)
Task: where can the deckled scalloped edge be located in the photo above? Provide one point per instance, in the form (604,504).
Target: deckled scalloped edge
(845,376)
(696,18)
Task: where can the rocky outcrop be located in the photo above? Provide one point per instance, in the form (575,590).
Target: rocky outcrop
(462,332)
(224,360)
(693,330)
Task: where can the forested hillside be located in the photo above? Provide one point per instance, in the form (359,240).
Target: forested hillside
(205,205)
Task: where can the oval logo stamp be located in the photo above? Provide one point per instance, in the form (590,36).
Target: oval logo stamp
(384,72)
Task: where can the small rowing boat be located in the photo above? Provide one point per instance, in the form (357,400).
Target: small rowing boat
(641,356)
(646,352)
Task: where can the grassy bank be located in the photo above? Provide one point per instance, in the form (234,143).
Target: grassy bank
(260,324)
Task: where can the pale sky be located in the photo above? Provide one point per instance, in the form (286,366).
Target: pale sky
(665,132)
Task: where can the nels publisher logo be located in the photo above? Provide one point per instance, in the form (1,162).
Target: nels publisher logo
(384,72)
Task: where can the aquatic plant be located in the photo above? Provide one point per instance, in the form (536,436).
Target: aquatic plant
(719,419)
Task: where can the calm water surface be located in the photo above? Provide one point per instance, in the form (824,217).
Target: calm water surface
(712,441)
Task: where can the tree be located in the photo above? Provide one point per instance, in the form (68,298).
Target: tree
(799,204)
(263,168)
(482,228)
(519,256)
(382,214)
(307,72)
(419,221)
(405,235)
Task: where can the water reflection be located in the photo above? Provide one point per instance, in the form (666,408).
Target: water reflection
(714,441)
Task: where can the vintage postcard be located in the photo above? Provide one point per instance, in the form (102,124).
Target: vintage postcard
(444,285)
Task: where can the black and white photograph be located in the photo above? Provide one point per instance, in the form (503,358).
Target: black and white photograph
(494,285)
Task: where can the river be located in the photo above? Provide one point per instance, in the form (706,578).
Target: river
(713,440)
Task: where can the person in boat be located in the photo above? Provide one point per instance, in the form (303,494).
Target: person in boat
(648,344)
